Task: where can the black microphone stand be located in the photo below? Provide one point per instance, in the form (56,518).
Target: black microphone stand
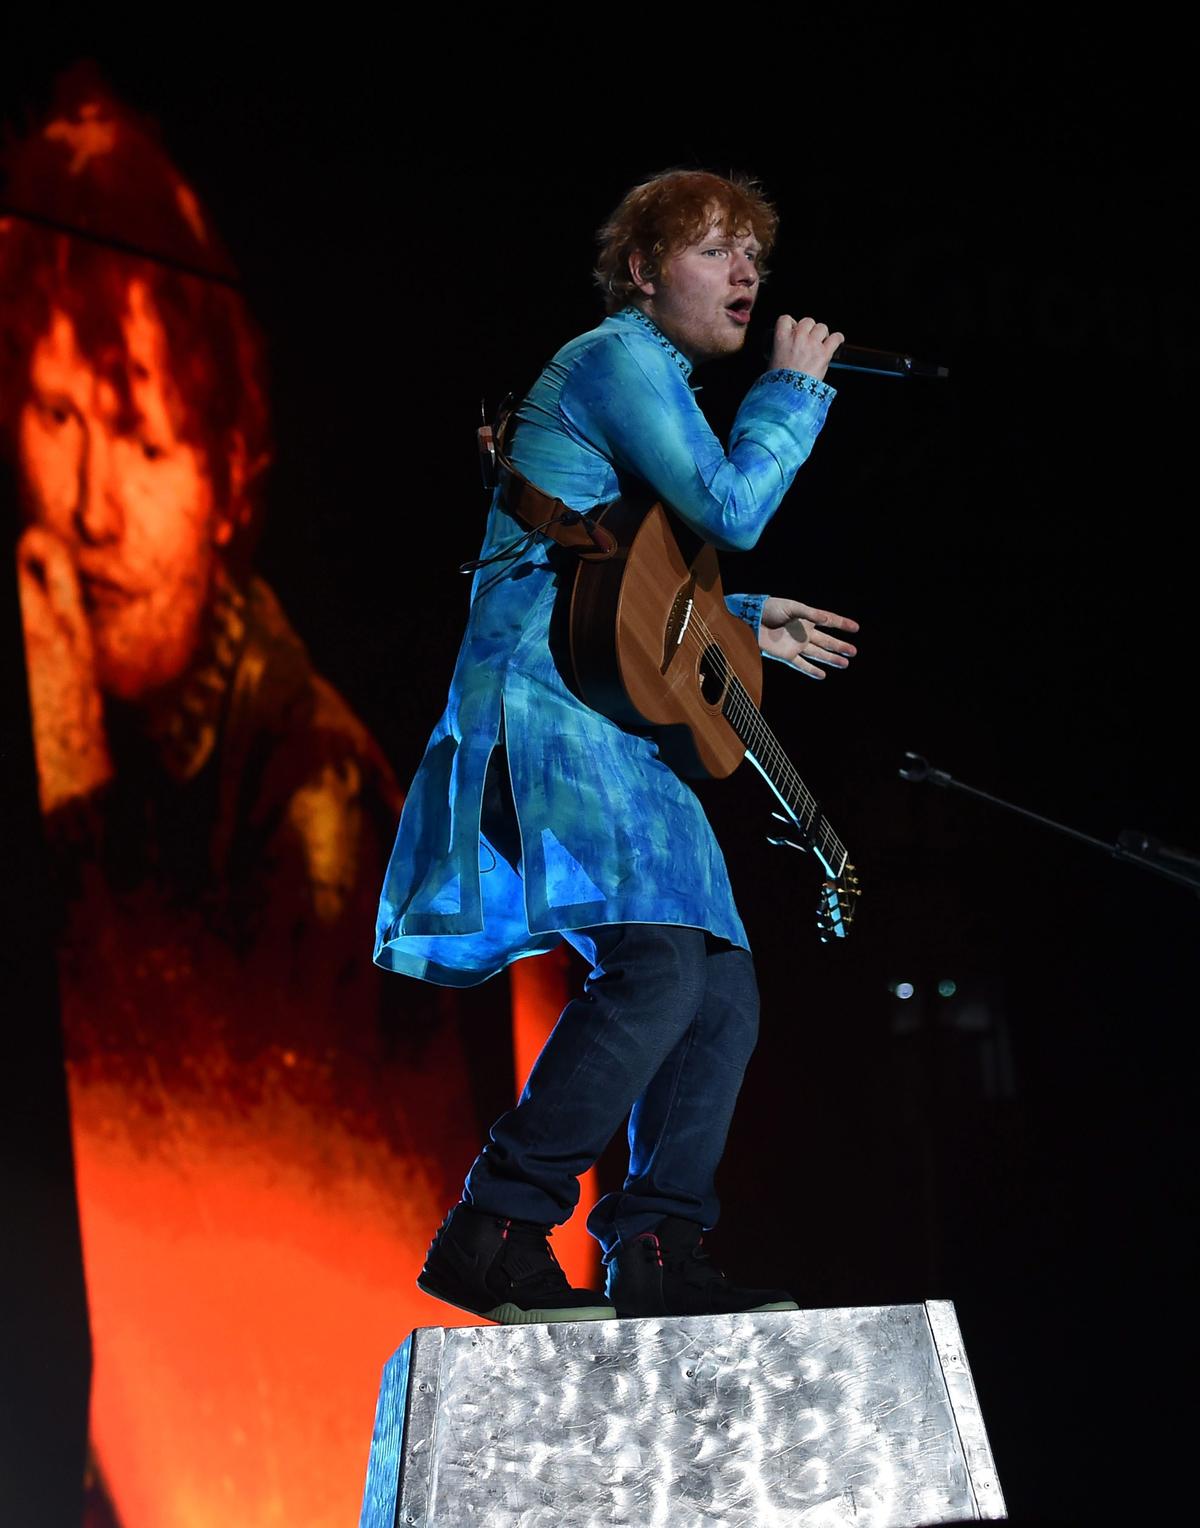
(1133,847)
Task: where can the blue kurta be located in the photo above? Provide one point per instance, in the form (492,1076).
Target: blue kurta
(609,833)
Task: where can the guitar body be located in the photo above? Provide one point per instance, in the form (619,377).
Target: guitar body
(654,648)
(639,627)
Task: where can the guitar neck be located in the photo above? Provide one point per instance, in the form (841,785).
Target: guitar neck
(776,768)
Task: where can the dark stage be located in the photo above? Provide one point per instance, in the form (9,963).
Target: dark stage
(414,226)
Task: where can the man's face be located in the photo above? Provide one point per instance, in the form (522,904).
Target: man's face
(703,295)
(131,499)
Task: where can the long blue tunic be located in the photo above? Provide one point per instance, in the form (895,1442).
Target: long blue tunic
(609,833)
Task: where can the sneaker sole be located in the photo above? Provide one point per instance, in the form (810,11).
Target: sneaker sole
(508,1314)
(513,1315)
(753,1310)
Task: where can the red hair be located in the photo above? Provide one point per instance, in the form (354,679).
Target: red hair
(90,185)
(667,213)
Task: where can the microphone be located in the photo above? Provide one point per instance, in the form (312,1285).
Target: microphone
(877,363)
(883,363)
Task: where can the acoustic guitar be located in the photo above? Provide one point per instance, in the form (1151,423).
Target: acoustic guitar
(653,646)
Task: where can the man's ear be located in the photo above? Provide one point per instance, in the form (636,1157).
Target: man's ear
(235,515)
(639,266)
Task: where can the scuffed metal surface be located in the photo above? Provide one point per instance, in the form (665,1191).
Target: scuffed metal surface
(960,1387)
(814,1418)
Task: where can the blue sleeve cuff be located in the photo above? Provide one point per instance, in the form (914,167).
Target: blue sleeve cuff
(800,380)
(748,608)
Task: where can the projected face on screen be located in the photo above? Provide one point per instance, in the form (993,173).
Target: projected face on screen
(125,504)
(263,1128)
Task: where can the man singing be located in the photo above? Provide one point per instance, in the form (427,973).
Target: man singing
(535,819)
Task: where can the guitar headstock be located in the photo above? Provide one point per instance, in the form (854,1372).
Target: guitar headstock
(837,904)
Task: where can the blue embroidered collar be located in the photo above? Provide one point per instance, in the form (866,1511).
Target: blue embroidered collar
(658,336)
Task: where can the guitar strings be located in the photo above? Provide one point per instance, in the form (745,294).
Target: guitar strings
(765,745)
(778,767)
(763,741)
(745,710)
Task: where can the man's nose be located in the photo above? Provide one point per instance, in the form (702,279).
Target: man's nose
(744,271)
(99,513)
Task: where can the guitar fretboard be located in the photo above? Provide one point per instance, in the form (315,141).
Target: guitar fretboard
(776,768)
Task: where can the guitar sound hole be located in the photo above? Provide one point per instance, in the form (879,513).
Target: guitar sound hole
(714,674)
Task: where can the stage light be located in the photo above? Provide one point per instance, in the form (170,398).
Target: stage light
(902,990)
(947,988)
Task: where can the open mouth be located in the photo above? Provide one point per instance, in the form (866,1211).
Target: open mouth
(740,310)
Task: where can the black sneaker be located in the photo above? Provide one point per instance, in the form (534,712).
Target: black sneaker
(504,1271)
(666,1272)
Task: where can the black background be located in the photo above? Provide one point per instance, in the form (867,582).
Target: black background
(413,213)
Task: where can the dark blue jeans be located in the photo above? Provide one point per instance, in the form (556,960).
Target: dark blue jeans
(662,1033)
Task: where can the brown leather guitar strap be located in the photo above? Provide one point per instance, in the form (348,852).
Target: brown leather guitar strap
(578,530)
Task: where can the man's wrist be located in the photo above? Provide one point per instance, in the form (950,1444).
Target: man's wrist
(748,608)
(787,376)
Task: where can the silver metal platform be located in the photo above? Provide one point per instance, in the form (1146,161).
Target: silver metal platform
(866,1417)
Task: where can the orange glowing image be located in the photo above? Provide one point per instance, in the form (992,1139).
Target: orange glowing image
(119,559)
(267,1130)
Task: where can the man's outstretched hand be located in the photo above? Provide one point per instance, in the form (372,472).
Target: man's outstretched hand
(792,633)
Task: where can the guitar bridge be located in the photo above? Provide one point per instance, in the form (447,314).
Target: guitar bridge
(678,622)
